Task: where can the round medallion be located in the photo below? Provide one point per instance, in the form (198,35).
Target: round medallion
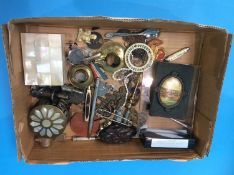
(47,121)
(139,57)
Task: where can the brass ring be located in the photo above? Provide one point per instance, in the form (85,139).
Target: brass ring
(83,69)
(115,53)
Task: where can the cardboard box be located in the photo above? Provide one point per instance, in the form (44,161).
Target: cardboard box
(210,49)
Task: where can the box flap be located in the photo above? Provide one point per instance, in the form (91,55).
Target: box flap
(104,21)
(10,72)
(210,85)
(221,74)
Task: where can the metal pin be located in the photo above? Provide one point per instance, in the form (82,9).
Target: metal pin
(70,88)
(93,57)
(87,107)
(76,138)
(148,33)
(182,124)
(91,119)
(177,54)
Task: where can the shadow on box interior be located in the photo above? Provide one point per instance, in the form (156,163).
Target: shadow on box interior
(173,90)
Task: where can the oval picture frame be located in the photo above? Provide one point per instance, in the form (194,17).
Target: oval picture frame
(171,99)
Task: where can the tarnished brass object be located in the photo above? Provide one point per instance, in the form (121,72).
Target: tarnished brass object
(112,56)
(86,35)
(80,76)
(96,41)
(170,91)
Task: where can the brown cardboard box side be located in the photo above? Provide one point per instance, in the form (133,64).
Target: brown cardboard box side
(211,54)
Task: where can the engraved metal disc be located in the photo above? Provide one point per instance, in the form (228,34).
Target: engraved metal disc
(47,121)
(170,91)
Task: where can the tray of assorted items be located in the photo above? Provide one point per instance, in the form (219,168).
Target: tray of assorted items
(109,85)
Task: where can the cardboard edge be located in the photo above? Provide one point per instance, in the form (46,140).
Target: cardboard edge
(122,19)
(223,67)
(221,76)
(36,162)
(5,34)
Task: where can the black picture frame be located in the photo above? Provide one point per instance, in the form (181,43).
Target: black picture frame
(188,75)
